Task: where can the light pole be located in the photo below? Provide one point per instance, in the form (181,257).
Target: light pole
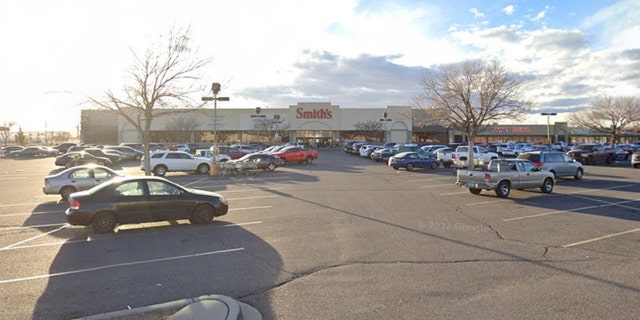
(215,89)
(548,114)
(384,119)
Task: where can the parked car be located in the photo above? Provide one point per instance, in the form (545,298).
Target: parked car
(262,160)
(443,155)
(505,174)
(431,148)
(619,153)
(77,178)
(635,159)
(208,153)
(129,152)
(72,159)
(383,154)
(64,147)
(410,160)
(137,199)
(29,152)
(232,152)
(558,163)
(180,147)
(592,153)
(297,154)
(114,157)
(5,151)
(162,162)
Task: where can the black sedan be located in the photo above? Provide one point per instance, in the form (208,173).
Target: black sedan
(71,159)
(137,199)
(264,161)
(29,152)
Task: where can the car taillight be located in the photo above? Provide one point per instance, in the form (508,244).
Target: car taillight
(539,164)
(74,204)
(453,156)
(46,182)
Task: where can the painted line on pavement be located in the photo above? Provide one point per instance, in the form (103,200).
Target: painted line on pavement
(25,204)
(615,204)
(439,185)
(484,202)
(33,226)
(600,238)
(453,193)
(119,237)
(256,197)
(609,204)
(30,213)
(118,265)
(32,238)
(415,180)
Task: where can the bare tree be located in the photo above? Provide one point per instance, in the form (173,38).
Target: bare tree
(5,131)
(181,128)
(160,81)
(21,138)
(611,115)
(369,129)
(468,95)
(269,127)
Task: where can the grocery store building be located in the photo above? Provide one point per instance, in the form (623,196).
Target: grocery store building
(317,123)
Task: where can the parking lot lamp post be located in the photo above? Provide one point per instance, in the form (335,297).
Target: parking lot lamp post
(215,89)
(548,114)
(385,119)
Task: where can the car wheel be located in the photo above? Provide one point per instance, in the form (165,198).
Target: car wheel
(609,160)
(66,191)
(503,189)
(579,174)
(309,160)
(591,161)
(202,214)
(394,168)
(474,190)
(447,164)
(203,168)
(409,166)
(103,222)
(434,166)
(547,185)
(271,166)
(160,170)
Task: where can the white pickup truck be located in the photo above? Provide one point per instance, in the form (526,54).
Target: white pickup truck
(481,156)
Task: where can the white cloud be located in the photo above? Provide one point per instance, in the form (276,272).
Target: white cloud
(476,13)
(509,10)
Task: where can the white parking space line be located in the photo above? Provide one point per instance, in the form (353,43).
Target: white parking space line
(33,226)
(22,204)
(251,208)
(599,190)
(30,213)
(255,197)
(248,190)
(119,237)
(118,265)
(484,202)
(438,185)
(453,193)
(429,179)
(606,204)
(32,238)
(12,178)
(600,238)
(618,204)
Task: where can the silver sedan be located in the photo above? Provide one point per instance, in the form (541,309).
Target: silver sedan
(77,178)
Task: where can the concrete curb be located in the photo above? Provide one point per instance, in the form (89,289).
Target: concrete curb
(192,308)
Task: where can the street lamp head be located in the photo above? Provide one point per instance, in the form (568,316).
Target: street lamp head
(215,88)
(258,110)
(385,114)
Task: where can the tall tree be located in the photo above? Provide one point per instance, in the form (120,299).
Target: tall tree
(21,138)
(368,129)
(160,81)
(468,95)
(5,131)
(611,115)
(181,128)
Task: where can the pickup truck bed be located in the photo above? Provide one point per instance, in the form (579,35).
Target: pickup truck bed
(503,175)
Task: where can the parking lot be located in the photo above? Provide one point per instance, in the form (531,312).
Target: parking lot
(342,238)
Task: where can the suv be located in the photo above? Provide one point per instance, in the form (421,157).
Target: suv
(162,162)
(558,163)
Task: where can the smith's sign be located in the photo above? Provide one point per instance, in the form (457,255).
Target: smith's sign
(314,114)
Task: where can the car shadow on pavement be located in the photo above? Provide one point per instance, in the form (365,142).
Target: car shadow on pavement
(141,266)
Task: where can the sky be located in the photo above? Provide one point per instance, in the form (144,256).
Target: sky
(55,54)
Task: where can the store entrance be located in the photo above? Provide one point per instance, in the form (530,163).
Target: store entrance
(315,139)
